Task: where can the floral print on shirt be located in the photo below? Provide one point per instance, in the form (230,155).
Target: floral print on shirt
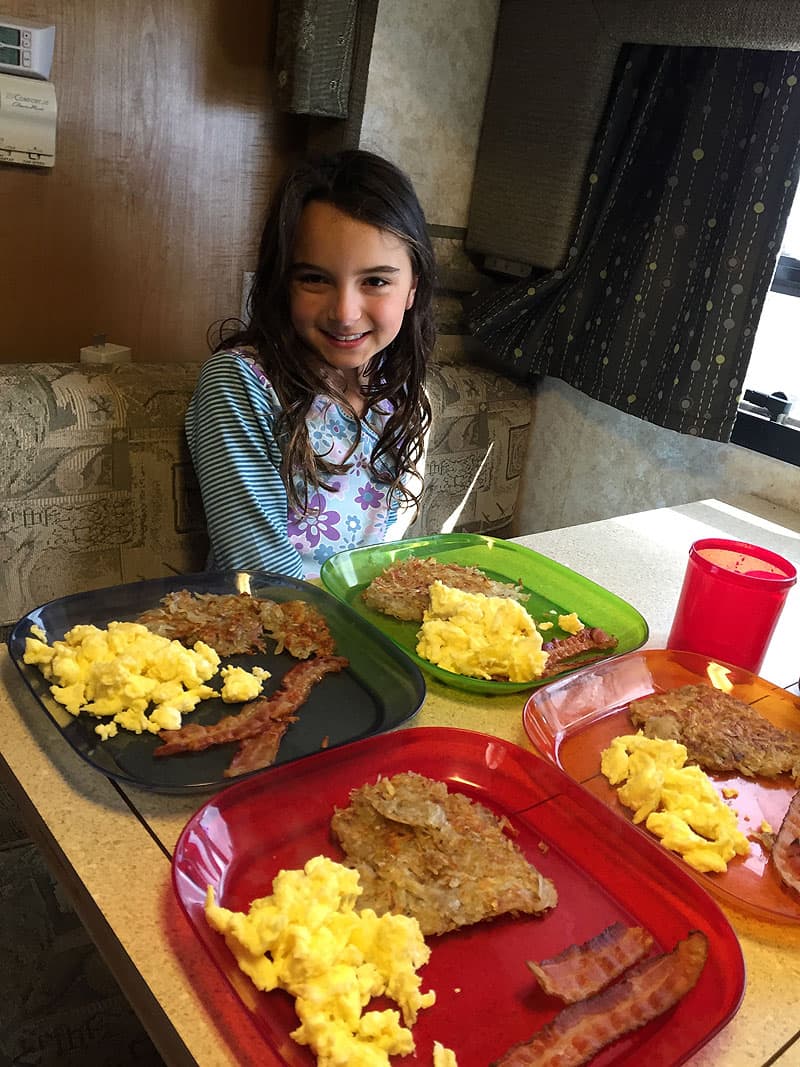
(316,524)
(353,511)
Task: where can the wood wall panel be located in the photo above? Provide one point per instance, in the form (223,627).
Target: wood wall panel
(167,147)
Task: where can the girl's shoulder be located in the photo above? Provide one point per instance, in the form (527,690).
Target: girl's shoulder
(237,358)
(239,363)
(249,358)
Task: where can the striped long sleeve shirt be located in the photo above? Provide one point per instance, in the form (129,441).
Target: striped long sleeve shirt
(230,428)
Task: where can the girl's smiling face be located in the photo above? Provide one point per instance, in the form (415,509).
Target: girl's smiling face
(350,286)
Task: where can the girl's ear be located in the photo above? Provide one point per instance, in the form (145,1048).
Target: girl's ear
(411,294)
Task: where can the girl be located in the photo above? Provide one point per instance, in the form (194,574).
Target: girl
(307,426)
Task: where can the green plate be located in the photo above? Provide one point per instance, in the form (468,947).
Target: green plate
(554,590)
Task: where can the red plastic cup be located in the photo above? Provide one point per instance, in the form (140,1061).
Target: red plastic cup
(732,596)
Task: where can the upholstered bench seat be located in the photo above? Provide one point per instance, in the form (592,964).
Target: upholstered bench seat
(97,487)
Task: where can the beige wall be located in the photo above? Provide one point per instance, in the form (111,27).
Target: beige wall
(428,73)
(166,148)
(588,461)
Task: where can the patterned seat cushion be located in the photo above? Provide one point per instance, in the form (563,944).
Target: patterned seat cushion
(96,484)
(97,488)
(478,440)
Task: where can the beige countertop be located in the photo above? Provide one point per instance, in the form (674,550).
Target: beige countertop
(111,846)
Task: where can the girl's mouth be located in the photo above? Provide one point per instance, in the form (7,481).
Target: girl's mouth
(346,340)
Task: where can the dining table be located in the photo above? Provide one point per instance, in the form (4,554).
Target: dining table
(111,845)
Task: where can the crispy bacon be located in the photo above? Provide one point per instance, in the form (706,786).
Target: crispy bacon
(580,1031)
(581,970)
(581,647)
(261,750)
(257,715)
(786,850)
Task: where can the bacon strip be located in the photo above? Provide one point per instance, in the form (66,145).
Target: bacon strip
(581,970)
(261,750)
(255,716)
(786,850)
(588,642)
(580,1031)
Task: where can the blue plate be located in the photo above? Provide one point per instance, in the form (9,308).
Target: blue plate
(380,690)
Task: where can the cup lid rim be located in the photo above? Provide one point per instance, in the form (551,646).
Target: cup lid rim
(776,581)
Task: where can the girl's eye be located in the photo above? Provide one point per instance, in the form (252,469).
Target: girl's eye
(375,282)
(310,278)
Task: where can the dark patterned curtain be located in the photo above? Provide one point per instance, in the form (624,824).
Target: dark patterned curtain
(656,306)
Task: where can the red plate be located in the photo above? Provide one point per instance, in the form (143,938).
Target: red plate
(603,868)
(573,719)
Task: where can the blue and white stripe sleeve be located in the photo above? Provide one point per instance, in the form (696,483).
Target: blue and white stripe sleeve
(230,432)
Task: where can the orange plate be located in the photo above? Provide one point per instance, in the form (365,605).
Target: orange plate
(573,719)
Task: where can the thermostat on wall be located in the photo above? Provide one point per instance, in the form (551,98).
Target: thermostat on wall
(26,48)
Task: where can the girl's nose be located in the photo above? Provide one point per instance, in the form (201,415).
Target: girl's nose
(345,306)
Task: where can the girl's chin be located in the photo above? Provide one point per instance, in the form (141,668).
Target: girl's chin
(333,366)
(346,358)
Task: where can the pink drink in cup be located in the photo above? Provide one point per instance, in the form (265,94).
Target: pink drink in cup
(730,602)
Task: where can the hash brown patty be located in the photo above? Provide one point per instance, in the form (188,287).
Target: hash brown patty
(436,856)
(403,589)
(721,733)
(234,623)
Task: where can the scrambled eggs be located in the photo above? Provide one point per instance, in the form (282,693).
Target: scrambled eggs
(678,804)
(123,670)
(480,636)
(570,624)
(443,1057)
(307,939)
(239,685)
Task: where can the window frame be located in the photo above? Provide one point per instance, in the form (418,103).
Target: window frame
(786,279)
(753,430)
(760,434)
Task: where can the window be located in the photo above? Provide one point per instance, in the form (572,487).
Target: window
(775,360)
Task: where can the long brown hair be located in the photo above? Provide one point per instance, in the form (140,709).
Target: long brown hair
(372,190)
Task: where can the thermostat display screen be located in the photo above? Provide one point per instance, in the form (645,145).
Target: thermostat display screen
(26,48)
